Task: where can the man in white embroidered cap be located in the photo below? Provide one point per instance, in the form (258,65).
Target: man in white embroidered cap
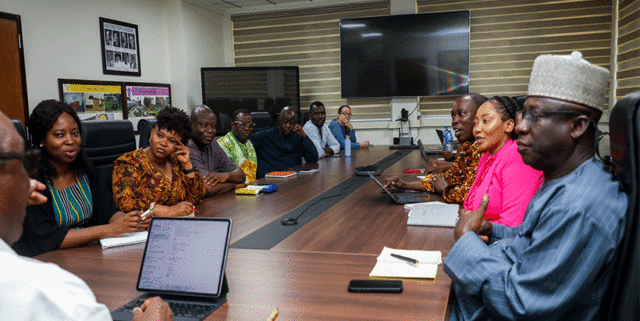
(557,264)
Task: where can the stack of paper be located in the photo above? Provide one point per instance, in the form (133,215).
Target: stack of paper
(433,214)
(131,238)
(390,267)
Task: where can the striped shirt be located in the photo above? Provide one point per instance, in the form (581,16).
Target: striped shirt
(72,206)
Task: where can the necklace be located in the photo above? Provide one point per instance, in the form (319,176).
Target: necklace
(156,165)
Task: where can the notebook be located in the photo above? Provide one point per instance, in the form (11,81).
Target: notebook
(280,174)
(184,261)
(390,267)
(403,197)
(434,214)
(127,239)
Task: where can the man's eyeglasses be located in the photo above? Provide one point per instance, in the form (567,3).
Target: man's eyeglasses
(346,114)
(244,125)
(29,159)
(532,116)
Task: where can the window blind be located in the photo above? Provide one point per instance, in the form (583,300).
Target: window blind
(310,39)
(507,35)
(628,75)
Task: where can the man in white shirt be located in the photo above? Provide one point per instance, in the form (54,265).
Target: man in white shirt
(319,133)
(30,289)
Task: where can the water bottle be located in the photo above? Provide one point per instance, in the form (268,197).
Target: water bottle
(445,138)
(347,146)
(450,142)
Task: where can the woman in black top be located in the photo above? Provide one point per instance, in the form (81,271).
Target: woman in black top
(79,209)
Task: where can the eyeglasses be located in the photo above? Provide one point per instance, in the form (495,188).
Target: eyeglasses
(244,125)
(346,114)
(532,116)
(29,159)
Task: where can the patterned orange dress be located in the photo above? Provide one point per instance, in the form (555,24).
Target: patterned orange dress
(460,176)
(137,183)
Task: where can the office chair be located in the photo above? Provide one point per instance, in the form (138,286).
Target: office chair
(621,299)
(262,119)
(303,118)
(224,124)
(106,140)
(144,130)
(21,130)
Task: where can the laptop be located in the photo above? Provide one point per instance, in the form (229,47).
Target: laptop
(403,197)
(440,136)
(184,261)
(427,151)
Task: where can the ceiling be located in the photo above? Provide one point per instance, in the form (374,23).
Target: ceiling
(223,5)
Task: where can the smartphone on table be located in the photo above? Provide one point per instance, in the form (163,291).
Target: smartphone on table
(375,286)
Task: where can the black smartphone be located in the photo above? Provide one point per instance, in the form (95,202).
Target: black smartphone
(375,286)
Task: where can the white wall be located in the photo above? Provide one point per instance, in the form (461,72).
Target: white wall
(204,48)
(62,40)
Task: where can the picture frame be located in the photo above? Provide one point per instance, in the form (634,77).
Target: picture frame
(120,48)
(145,100)
(94,99)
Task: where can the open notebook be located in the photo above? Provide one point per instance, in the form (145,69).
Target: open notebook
(183,262)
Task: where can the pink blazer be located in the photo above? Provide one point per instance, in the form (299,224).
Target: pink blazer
(509,182)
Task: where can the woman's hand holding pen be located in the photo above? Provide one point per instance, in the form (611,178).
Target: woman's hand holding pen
(122,223)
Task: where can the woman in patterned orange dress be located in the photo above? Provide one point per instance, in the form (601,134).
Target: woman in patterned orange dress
(453,183)
(160,176)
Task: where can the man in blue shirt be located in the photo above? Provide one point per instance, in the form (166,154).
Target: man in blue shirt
(557,264)
(283,147)
(319,132)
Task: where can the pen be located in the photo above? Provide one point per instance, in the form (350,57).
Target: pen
(404,258)
(146,213)
(273,315)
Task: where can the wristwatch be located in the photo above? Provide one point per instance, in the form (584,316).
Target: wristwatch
(189,171)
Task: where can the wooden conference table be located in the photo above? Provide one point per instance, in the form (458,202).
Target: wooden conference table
(305,275)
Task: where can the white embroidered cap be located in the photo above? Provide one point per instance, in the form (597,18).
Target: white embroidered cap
(570,78)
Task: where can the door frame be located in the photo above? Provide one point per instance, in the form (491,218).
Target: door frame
(15,17)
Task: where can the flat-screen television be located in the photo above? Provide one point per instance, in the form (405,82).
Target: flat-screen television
(265,89)
(405,55)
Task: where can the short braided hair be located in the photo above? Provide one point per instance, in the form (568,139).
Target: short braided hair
(175,120)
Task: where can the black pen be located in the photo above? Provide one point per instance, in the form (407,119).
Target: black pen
(404,258)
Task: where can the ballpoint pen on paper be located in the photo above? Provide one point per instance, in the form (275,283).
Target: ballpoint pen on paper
(404,258)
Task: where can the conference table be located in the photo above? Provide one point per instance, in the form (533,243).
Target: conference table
(306,271)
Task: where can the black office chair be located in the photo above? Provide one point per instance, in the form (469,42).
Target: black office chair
(304,117)
(224,124)
(105,141)
(262,119)
(622,296)
(20,128)
(144,131)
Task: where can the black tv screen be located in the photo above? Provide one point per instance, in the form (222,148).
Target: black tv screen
(405,55)
(269,89)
